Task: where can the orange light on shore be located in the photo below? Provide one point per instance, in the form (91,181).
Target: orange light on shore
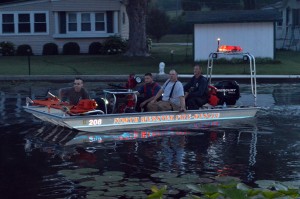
(225,48)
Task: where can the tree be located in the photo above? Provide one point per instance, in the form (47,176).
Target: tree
(158,23)
(249,4)
(137,43)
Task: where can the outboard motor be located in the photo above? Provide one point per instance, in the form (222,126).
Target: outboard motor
(228,92)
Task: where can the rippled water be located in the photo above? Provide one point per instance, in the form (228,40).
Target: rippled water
(33,153)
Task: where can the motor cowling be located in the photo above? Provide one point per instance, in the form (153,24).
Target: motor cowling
(228,92)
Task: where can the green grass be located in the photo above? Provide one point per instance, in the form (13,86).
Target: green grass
(182,61)
(183,38)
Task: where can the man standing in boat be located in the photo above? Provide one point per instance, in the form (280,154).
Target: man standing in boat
(173,96)
(149,90)
(73,94)
(196,90)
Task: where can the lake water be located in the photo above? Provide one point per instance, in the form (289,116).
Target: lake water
(36,158)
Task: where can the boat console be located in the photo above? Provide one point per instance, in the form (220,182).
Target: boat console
(120,100)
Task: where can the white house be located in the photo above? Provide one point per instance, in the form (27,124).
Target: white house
(37,22)
(252,30)
(288,28)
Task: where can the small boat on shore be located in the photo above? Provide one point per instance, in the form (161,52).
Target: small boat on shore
(111,118)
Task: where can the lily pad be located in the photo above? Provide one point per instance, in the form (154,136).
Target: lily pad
(95,194)
(195,188)
(136,194)
(133,180)
(242,186)
(84,171)
(113,173)
(280,187)
(205,180)
(66,172)
(292,184)
(164,175)
(108,178)
(173,192)
(265,183)
(76,176)
(93,184)
(113,193)
(174,180)
(134,188)
(227,179)
(181,187)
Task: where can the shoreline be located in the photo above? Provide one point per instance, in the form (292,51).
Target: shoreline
(157,77)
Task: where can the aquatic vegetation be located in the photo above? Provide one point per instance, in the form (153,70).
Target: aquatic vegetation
(157,193)
(233,189)
(112,184)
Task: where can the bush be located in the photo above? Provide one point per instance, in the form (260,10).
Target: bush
(7,48)
(24,50)
(71,48)
(115,45)
(50,49)
(96,48)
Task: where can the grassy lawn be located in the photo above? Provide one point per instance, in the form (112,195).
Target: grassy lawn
(182,61)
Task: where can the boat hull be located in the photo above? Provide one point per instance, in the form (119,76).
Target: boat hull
(117,122)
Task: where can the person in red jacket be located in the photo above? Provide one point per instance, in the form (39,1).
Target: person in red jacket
(148,90)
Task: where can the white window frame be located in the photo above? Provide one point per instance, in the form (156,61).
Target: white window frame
(32,23)
(38,22)
(93,21)
(11,23)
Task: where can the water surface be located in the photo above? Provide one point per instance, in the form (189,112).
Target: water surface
(33,153)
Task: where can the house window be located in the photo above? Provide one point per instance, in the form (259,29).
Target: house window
(24,23)
(40,24)
(99,22)
(8,23)
(279,22)
(296,17)
(85,22)
(72,22)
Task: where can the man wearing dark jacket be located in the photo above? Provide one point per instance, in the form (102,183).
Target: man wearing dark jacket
(196,90)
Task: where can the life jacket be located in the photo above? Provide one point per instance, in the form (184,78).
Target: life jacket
(83,105)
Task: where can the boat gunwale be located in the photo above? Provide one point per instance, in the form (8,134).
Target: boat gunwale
(70,117)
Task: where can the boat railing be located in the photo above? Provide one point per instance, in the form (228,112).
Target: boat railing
(246,57)
(112,96)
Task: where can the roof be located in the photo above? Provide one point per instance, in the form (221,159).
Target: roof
(232,16)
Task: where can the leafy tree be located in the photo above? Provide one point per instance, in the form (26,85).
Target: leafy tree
(158,23)
(180,26)
(189,5)
(249,4)
(137,43)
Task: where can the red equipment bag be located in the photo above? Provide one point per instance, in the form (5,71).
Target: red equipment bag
(213,99)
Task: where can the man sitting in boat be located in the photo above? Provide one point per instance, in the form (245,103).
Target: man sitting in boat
(148,90)
(196,90)
(173,96)
(74,94)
